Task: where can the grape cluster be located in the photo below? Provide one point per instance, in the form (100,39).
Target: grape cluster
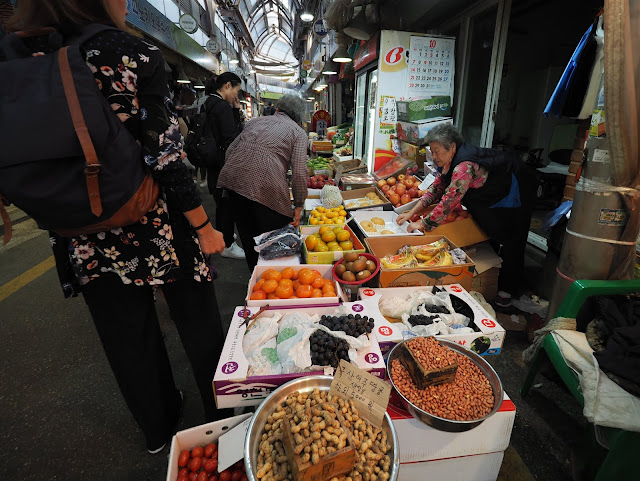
(436,309)
(420,320)
(353,325)
(327,350)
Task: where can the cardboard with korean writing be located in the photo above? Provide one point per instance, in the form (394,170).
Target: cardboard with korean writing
(369,393)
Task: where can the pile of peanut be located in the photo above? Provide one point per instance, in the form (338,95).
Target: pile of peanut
(469,397)
(430,354)
(318,433)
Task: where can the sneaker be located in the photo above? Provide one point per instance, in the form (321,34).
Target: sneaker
(203,183)
(233,252)
(160,448)
(503,299)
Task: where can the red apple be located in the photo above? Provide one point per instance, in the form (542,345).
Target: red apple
(415,218)
(409,177)
(385,188)
(398,205)
(421,192)
(389,193)
(401,189)
(408,182)
(391,181)
(413,192)
(405,199)
(394,198)
(382,183)
(401,177)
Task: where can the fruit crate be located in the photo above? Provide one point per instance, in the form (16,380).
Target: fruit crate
(328,257)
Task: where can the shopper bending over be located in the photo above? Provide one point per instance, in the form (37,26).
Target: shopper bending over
(255,173)
(116,271)
(496,187)
(224,123)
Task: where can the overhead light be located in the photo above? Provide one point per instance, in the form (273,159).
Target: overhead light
(198,84)
(234,61)
(341,55)
(358,27)
(306,17)
(310,99)
(182,77)
(252,70)
(330,68)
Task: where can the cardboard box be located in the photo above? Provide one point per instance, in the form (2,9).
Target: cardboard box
(328,257)
(418,276)
(415,132)
(416,153)
(390,223)
(390,331)
(356,181)
(232,387)
(323,269)
(463,233)
(571,180)
(422,109)
(199,436)
(481,467)
(488,263)
(361,194)
(491,436)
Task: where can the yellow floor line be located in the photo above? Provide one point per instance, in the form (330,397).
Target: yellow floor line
(23,279)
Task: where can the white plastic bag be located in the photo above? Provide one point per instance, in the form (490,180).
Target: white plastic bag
(259,347)
(293,341)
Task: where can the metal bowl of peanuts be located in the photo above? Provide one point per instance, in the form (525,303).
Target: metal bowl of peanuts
(377,456)
(475,395)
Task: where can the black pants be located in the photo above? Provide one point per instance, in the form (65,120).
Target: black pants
(224,217)
(510,227)
(203,173)
(252,219)
(127,323)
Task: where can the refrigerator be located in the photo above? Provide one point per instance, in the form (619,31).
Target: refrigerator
(390,67)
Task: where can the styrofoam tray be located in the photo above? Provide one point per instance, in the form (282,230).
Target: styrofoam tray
(390,223)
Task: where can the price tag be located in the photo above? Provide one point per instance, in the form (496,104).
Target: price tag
(231,445)
(369,393)
(426,183)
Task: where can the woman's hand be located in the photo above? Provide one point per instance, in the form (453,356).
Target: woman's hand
(415,226)
(402,218)
(236,103)
(211,240)
(297,213)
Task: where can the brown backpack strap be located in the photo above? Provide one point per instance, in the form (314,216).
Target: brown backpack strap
(91,158)
(8,229)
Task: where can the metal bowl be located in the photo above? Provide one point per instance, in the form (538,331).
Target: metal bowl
(303,384)
(437,422)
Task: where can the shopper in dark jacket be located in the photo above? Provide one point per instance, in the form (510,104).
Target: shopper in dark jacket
(496,188)
(116,271)
(223,119)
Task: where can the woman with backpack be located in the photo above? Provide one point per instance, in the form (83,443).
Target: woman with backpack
(117,270)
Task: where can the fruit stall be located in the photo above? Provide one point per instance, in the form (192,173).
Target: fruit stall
(356,340)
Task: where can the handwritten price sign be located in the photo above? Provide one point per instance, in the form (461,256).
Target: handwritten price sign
(369,393)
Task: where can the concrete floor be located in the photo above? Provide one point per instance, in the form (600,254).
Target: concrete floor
(62,416)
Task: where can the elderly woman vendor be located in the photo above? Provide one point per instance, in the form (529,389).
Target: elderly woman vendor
(496,188)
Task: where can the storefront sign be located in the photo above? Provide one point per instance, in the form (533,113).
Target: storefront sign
(306,64)
(303,73)
(213,46)
(320,29)
(320,121)
(188,23)
(388,114)
(367,53)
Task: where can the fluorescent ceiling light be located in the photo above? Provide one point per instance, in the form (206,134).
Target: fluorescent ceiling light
(341,55)
(182,77)
(330,68)
(234,61)
(198,84)
(306,17)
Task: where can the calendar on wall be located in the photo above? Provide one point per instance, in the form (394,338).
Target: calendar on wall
(431,66)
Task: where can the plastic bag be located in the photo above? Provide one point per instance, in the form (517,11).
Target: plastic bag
(266,236)
(292,343)
(403,260)
(259,347)
(459,256)
(330,196)
(278,243)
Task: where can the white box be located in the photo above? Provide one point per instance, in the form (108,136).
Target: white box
(482,467)
(231,386)
(324,269)
(390,223)
(492,435)
(287,261)
(198,436)
(390,333)
(407,207)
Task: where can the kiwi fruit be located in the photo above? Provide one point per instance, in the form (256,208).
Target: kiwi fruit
(350,257)
(348,265)
(358,265)
(348,276)
(363,274)
(340,269)
(371,266)
(362,258)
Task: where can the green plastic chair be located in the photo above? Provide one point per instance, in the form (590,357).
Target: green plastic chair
(624,446)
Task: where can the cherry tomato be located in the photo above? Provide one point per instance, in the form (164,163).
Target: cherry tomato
(225,475)
(183,472)
(183,478)
(236,475)
(183,459)
(239,464)
(244,478)
(197,452)
(193,476)
(213,477)
(202,476)
(195,464)
(210,449)
(211,465)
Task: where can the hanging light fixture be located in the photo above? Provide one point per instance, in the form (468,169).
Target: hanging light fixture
(330,68)
(198,84)
(306,16)
(341,55)
(358,27)
(234,61)
(182,77)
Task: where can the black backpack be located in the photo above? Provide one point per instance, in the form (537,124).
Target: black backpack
(201,146)
(68,161)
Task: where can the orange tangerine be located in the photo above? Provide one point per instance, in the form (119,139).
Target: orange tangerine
(323,229)
(328,288)
(329,236)
(305,276)
(287,273)
(265,274)
(311,242)
(285,282)
(284,292)
(329,294)
(270,286)
(258,285)
(304,291)
(317,283)
(316,293)
(273,275)
(258,295)
(272,296)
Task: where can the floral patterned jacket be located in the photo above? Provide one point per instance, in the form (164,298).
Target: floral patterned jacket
(161,247)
